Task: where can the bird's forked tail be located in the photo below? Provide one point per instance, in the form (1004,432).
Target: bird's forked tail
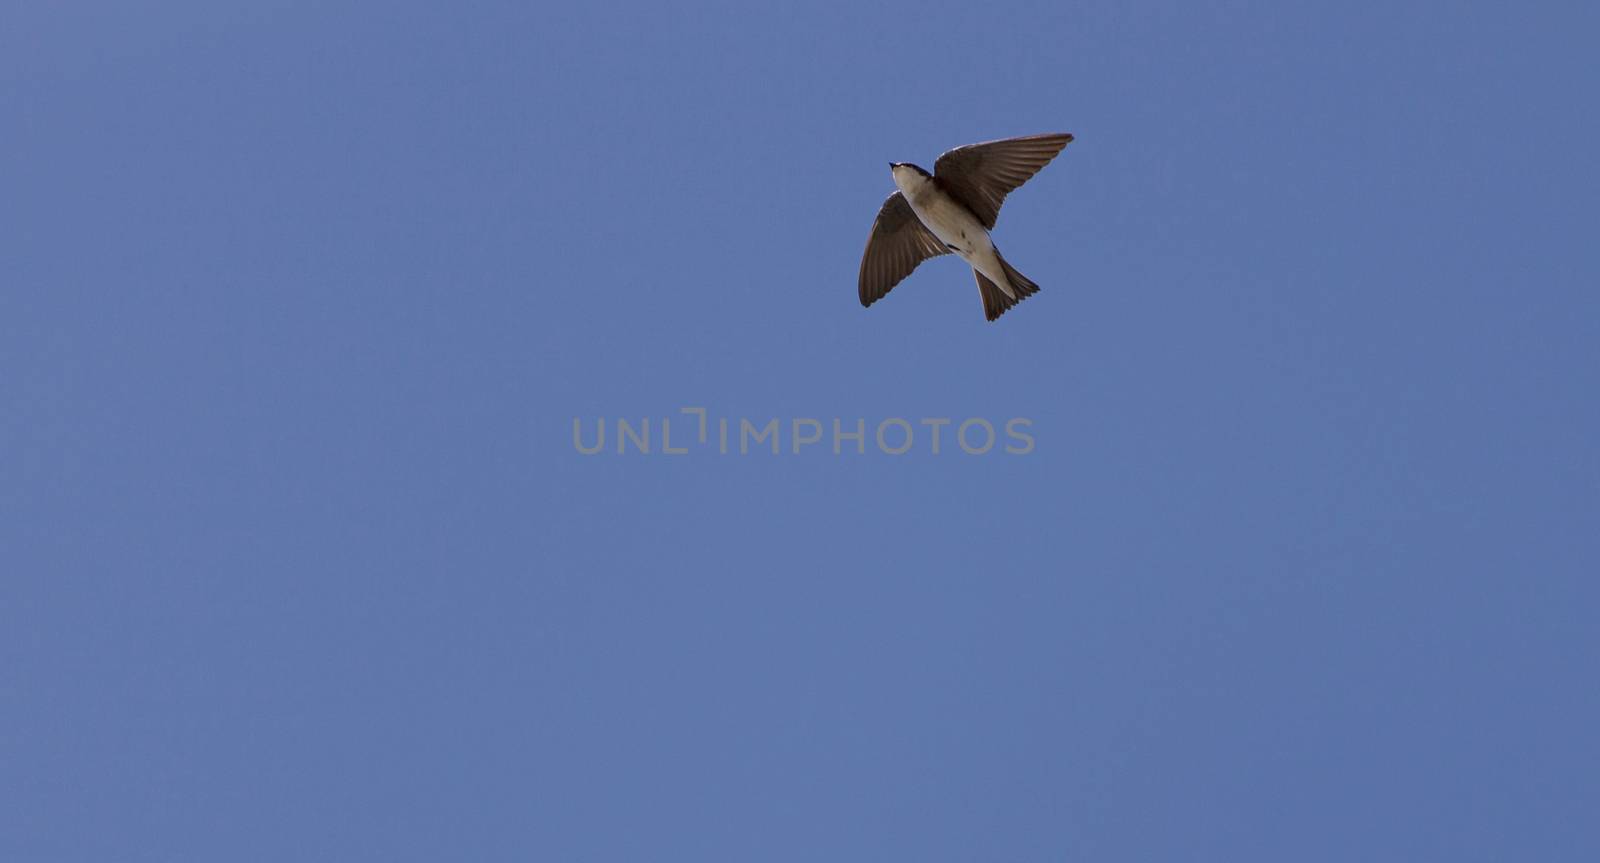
(995,301)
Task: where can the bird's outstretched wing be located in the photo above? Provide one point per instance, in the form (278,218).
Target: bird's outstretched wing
(981,175)
(898,243)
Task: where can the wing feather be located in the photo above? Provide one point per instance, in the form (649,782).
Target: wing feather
(898,243)
(981,175)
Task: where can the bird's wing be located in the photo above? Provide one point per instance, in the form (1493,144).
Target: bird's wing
(981,175)
(899,242)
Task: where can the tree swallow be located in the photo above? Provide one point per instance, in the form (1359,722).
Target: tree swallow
(952,210)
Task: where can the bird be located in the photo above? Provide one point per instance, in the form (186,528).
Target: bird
(953,210)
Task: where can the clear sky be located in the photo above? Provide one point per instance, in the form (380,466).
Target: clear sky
(299,301)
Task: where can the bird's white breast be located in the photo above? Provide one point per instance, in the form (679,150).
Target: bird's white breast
(952,223)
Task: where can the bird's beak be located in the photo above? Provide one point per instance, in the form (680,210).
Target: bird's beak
(892,165)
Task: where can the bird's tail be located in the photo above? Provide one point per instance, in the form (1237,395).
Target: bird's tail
(995,301)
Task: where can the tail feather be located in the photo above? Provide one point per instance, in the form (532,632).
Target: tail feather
(995,301)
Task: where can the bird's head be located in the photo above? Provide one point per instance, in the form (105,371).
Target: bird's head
(906,175)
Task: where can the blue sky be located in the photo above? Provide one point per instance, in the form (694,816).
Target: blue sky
(299,301)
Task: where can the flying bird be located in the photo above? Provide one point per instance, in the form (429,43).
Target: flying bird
(952,210)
